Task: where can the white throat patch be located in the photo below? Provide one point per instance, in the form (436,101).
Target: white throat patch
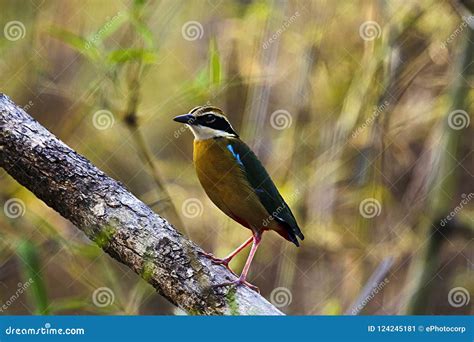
(204,133)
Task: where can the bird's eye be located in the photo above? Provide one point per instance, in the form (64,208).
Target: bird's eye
(210,118)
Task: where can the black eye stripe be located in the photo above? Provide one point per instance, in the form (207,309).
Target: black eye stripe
(219,123)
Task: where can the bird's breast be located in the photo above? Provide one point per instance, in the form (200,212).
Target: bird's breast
(224,181)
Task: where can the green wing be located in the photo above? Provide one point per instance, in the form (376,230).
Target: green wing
(265,188)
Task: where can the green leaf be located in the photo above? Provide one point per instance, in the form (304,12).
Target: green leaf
(90,251)
(201,81)
(214,64)
(78,43)
(34,283)
(144,32)
(138,3)
(147,56)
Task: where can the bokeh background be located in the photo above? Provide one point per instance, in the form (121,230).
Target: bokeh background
(361,111)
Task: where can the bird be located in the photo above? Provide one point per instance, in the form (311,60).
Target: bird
(237,183)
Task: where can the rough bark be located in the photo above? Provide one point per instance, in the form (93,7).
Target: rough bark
(117,221)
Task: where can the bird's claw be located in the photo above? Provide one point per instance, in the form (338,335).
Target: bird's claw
(239,281)
(217,261)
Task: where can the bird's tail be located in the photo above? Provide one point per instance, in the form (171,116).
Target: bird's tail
(291,232)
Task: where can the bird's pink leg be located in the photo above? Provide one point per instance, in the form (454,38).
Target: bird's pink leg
(243,277)
(228,258)
(256,242)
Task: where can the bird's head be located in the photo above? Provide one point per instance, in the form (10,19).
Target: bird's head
(207,122)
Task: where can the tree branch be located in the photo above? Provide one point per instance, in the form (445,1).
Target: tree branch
(117,221)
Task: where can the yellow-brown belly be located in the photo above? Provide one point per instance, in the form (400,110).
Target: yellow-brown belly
(226,184)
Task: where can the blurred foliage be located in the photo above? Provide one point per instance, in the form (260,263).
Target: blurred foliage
(339,111)
(32,273)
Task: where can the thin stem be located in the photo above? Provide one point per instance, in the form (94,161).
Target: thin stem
(131,121)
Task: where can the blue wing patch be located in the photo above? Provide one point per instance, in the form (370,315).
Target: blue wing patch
(236,155)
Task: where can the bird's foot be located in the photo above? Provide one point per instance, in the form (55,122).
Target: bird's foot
(240,281)
(214,259)
(218,261)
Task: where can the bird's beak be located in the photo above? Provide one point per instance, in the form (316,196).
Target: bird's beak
(185,118)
